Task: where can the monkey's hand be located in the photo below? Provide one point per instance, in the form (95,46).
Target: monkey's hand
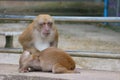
(23,70)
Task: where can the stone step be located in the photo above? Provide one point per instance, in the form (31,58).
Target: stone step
(10,72)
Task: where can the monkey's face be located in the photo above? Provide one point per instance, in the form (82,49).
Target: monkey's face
(44,24)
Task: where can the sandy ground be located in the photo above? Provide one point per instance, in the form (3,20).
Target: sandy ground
(84,37)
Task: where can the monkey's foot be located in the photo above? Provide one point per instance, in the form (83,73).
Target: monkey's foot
(57,68)
(23,70)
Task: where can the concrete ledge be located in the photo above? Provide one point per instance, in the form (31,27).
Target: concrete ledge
(9,58)
(75,53)
(10,72)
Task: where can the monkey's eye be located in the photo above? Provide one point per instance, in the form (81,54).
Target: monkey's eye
(41,24)
(49,23)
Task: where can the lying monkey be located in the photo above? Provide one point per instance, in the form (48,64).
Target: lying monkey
(50,60)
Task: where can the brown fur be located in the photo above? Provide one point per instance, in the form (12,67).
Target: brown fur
(50,59)
(26,38)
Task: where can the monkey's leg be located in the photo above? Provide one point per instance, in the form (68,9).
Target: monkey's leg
(24,56)
(58,68)
(25,67)
(24,62)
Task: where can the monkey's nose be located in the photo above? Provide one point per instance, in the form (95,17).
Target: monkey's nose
(46,32)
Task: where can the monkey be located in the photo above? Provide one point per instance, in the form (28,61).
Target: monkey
(51,59)
(41,33)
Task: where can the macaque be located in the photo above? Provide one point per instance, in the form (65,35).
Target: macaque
(40,34)
(49,60)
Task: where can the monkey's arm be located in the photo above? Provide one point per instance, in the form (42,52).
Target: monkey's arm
(25,38)
(55,42)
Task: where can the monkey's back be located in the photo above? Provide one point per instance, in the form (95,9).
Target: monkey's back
(52,56)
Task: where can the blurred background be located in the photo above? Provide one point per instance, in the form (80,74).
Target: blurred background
(83,36)
(63,8)
(59,8)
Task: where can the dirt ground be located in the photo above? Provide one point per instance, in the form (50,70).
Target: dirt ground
(84,37)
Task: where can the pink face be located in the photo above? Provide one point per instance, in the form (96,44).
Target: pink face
(46,28)
(44,24)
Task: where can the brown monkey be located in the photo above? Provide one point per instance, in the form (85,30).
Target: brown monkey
(40,34)
(51,59)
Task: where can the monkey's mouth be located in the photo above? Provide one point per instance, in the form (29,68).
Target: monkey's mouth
(46,34)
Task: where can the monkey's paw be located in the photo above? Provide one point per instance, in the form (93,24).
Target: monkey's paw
(23,70)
